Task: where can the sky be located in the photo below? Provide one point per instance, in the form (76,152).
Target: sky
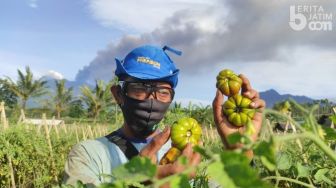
(79,39)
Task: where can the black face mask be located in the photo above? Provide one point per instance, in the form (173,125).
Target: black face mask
(142,116)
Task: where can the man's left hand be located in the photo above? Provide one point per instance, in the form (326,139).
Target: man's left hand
(224,127)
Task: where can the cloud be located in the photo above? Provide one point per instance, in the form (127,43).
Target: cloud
(311,75)
(141,16)
(245,34)
(33,3)
(55,75)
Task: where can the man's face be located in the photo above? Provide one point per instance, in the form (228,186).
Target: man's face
(161,91)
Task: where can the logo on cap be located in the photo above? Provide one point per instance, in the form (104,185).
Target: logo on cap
(148,61)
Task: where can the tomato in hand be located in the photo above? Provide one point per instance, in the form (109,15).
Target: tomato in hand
(184,131)
(238,111)
(228,82)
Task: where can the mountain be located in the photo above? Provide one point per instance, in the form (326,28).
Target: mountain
(51,87)
(271,97)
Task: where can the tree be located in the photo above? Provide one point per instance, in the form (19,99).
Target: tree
(62,97)
(7,95)
(76,109)
(26,87)
(97,99)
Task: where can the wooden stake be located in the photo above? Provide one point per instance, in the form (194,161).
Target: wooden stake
(3,115)
(44,118)
(76,134)
(55,127)
(64,127)
(206,133)
(95,133)
(11,169)
(90,132)
(83,134)
(100,131)
(46,129)
(212,134)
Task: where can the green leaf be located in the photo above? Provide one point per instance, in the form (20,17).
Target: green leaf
(234,171)
(266,152)
(202,151)
(180,181)
(80,184)
(115,184)
(303,171)
(234,138)
(333,118)
(138,169)
(330,133)
(217,173)
(182,160)
(283,161)
(320,176)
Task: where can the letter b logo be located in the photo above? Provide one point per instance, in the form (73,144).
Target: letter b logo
(293,17)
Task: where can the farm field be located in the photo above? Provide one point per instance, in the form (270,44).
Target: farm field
(301,156)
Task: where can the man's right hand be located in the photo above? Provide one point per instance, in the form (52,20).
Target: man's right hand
(166,170)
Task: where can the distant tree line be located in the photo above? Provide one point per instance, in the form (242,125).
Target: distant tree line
(92,102)
(98,103)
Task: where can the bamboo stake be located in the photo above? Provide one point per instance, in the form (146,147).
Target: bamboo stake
(100,131)
(83,134)
(213,137)
(95,133)
(77,138)
(39,129)
(44,124)
(90,132)
(305,158)
(55,127)
(3,115)
(332,123)
(269,127)
(11,171)
(206,133)
(11,168)
(64,127)
(44,121)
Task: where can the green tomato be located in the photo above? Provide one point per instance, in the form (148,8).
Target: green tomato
(237,110)
(228,82)
(185,130)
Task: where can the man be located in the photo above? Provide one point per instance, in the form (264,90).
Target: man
(149,78)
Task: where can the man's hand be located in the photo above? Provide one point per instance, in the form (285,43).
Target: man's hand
(224,127)
(166,170)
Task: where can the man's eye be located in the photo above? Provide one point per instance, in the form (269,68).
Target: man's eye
(165,92)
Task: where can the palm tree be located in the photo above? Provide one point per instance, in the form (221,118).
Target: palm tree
(62,98)
(98,98)
(26,87)
(7,95)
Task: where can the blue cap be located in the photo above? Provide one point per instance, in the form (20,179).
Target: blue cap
(148,63)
